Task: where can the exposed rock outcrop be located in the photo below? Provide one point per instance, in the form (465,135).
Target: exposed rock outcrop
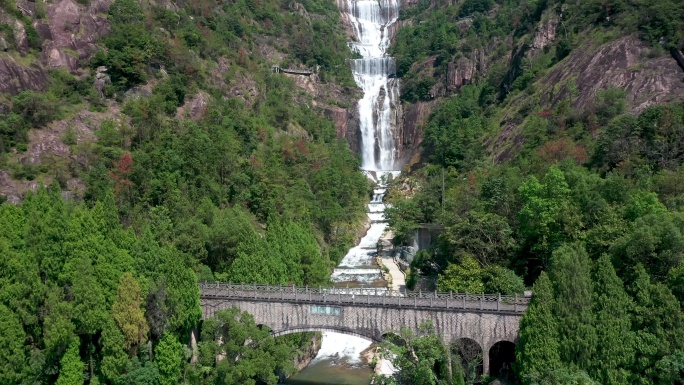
(68,34)
(101,80)
(346,122)
(411,133)
(74,30)
(14,190)
(545,33)
(15,77)
(459,73)
(194,107)
(647,75)
(20,37)
(626,63)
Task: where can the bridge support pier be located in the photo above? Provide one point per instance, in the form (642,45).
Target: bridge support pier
(485,363)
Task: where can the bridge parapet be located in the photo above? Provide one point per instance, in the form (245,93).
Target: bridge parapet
(375,297)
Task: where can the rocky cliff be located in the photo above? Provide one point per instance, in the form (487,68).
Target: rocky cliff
(65,36)
(543,61)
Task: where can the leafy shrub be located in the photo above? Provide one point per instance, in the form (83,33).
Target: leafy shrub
(35,108)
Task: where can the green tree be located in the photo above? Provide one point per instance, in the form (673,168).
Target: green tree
(423,358)
(486,236)
(643,203)
(464,277)
(71,366)
(168,358)
(656,241)
(114,358)
(497,279)
(13,354)
(90,303)
(128,314)
(547,217)
(612,307)
(566,375)
(659,324)
(58,328)
(671,368)
(571,276)
(251,354)
(538,349)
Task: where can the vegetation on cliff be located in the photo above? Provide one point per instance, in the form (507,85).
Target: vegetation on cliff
(198,163)
(529,170)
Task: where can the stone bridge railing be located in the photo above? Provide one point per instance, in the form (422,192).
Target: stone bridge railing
(377,297)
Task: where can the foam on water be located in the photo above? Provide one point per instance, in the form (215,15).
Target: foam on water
(342,345)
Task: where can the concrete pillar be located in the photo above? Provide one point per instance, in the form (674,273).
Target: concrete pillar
(485,362)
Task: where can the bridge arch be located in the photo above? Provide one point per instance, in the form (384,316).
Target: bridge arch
(324,329)
(472,357)
(501,359)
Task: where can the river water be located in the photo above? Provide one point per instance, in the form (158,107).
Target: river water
(339,360)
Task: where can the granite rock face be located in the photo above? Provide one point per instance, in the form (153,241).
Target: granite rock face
(545,33)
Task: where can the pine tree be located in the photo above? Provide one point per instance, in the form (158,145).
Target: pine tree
(168,358)
(571,277)
(612,306)
(538,349)
(659,325)
(12,354)
(128,314)
(114,358)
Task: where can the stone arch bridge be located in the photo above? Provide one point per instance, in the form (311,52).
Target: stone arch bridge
(485,322)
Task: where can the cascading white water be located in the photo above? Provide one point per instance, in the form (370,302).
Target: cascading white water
(371,21)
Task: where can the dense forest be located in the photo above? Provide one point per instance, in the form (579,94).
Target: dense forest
(102,288)
(584,208)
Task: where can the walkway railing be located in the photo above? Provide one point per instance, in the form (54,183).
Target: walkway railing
(277,69)
(365,296)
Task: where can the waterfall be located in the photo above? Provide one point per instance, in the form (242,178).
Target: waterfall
(371,21)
